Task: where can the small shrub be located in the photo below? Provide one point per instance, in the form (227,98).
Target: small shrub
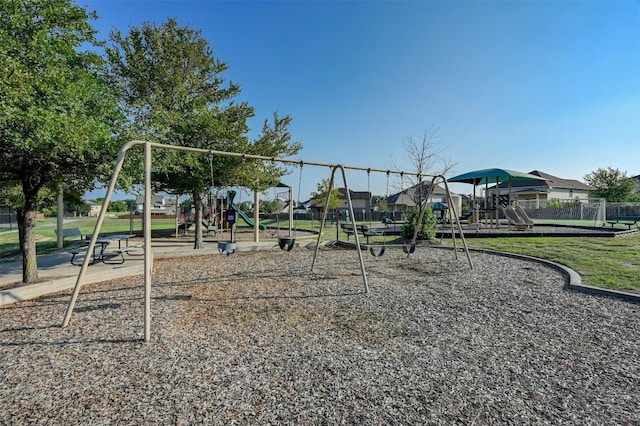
(428,228)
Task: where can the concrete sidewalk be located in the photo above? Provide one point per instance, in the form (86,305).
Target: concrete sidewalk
(61,275)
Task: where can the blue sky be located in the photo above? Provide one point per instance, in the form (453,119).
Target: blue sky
(548,85)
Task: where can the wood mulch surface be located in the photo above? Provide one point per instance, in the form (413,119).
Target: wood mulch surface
(257,338)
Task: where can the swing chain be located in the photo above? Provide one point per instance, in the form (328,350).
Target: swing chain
(289,242)
(300,179)
(212,203)
(372,250)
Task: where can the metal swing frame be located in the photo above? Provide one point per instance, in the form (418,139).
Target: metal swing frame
(148,253)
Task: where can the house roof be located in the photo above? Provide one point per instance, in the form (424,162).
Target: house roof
(400,198)
(155,199)
(405,197)
(355,195)
(549,182)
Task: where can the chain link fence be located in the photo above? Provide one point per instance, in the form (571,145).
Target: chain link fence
(8,221)
(588,212)
(623,209)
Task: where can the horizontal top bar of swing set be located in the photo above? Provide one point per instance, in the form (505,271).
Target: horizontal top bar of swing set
(131,144)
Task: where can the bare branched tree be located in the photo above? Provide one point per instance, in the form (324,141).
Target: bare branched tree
(425,157)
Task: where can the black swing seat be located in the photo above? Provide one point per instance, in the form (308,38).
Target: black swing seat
(378,254)
(369,233)
(286,243)
(227,248)
(409,249)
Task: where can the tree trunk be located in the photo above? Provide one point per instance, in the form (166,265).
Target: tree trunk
(197,202)
(27,234)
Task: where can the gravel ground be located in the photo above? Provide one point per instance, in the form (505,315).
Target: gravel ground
(256,338)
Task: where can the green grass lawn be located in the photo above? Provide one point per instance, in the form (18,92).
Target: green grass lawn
(612,263)
(46,238)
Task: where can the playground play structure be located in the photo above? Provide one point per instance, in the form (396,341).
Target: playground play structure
(285,243)
(242,214)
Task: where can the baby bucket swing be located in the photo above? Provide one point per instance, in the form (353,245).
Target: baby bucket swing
(227,248)
(287,243)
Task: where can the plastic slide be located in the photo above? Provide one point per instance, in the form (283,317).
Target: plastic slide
(246,218)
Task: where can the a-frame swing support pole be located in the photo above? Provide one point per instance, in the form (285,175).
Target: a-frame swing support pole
(96,230)
(148,255)
(454,215)
(324,218)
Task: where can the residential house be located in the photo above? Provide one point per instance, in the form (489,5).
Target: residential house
(397,204)
(94,208)
(536,193)
(407,199)
(159,205)
(361,202)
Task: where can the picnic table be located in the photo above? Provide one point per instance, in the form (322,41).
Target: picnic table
(364,230)
(624,220)
(348,228)
(100,252)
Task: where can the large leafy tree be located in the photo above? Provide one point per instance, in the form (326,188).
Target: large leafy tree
(172,89)
(57,116)
(612,184)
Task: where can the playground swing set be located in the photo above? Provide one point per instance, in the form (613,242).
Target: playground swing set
(285,242)
(410,247)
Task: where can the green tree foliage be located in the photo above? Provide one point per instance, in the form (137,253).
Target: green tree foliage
(380,201)
(11,195)
(118,206)
(245,206)
(72,199)
(172,88)
(612,184)
(322,193)
(427,229)
(57,115)
(271,207)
